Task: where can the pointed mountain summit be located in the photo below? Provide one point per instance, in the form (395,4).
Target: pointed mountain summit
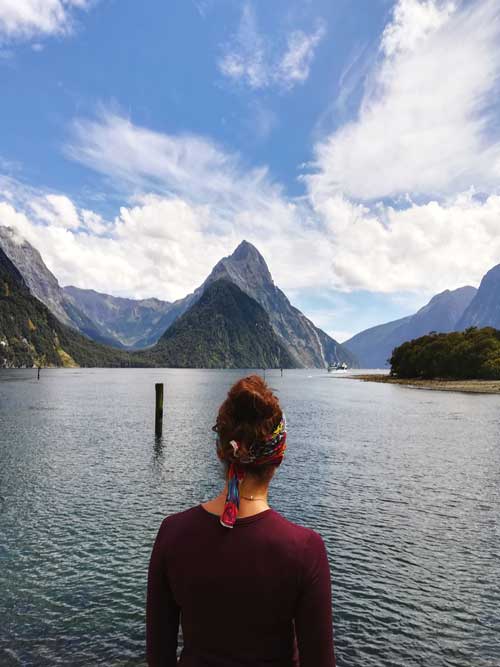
(309,346)
(374,346)
(484,309)
(245,267)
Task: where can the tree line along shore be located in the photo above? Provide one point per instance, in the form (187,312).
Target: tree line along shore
(466,361)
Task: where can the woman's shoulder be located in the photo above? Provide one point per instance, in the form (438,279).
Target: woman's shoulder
(177,520)
(300,532)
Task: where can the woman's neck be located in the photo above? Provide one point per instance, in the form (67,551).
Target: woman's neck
(247,507)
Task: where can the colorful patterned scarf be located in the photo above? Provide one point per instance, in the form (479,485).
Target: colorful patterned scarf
(259,453)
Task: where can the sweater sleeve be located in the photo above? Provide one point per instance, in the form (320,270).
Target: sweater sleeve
(313,618)
(162,611)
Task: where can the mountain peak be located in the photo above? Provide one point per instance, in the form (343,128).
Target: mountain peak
(459,294)
(246,250)
(245,267)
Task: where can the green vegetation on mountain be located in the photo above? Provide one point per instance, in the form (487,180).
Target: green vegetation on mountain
(30,335)
(470,354)
(225,328)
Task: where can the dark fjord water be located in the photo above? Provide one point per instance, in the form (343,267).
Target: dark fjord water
(402,484)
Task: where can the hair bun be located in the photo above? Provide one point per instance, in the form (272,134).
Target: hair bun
(250,401)
(251,405)
(249,414)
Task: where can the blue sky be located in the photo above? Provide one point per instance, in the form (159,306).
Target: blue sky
(354,142)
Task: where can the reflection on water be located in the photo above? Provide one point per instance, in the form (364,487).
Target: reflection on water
(402,484)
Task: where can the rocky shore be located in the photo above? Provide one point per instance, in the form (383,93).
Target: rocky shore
(468,386)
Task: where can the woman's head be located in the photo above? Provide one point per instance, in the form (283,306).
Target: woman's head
(249,415)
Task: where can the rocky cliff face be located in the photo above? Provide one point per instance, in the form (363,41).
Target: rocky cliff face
(31,335)
(43,285)
(41,282)
(373,347)
(484,308)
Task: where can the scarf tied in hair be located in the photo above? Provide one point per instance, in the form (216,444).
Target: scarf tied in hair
(259,453)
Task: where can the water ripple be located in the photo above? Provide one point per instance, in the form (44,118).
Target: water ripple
(403,486)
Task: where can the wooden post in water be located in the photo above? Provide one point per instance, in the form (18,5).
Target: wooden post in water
(38,376)
(159,410)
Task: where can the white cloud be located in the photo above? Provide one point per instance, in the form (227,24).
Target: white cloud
(165,245)
(426,123)
(192,204)
(414,21)
(25,19)
(93,222)
(57,210)
(424,249)
(260,62)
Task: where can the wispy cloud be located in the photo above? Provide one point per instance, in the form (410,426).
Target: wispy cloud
(257,61)
(26,19)
(296,61)
(426,122)
(140,161)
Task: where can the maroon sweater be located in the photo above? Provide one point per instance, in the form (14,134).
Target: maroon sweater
(253,595)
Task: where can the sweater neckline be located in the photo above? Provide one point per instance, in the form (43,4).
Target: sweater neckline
(240,520)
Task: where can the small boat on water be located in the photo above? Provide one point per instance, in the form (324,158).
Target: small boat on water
(337,366)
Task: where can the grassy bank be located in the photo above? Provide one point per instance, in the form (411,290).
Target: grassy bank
(469,386)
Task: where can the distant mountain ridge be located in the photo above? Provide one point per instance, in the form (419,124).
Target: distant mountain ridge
(131,323)
(373,347)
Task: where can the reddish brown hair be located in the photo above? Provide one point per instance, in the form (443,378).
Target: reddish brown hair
(250,412)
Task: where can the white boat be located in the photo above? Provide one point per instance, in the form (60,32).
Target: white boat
(336,366)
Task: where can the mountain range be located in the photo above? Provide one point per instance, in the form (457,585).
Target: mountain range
(196,330)
(451,310)
(443,313)
(139,324)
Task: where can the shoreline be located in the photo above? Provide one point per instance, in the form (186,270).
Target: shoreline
(463,386)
